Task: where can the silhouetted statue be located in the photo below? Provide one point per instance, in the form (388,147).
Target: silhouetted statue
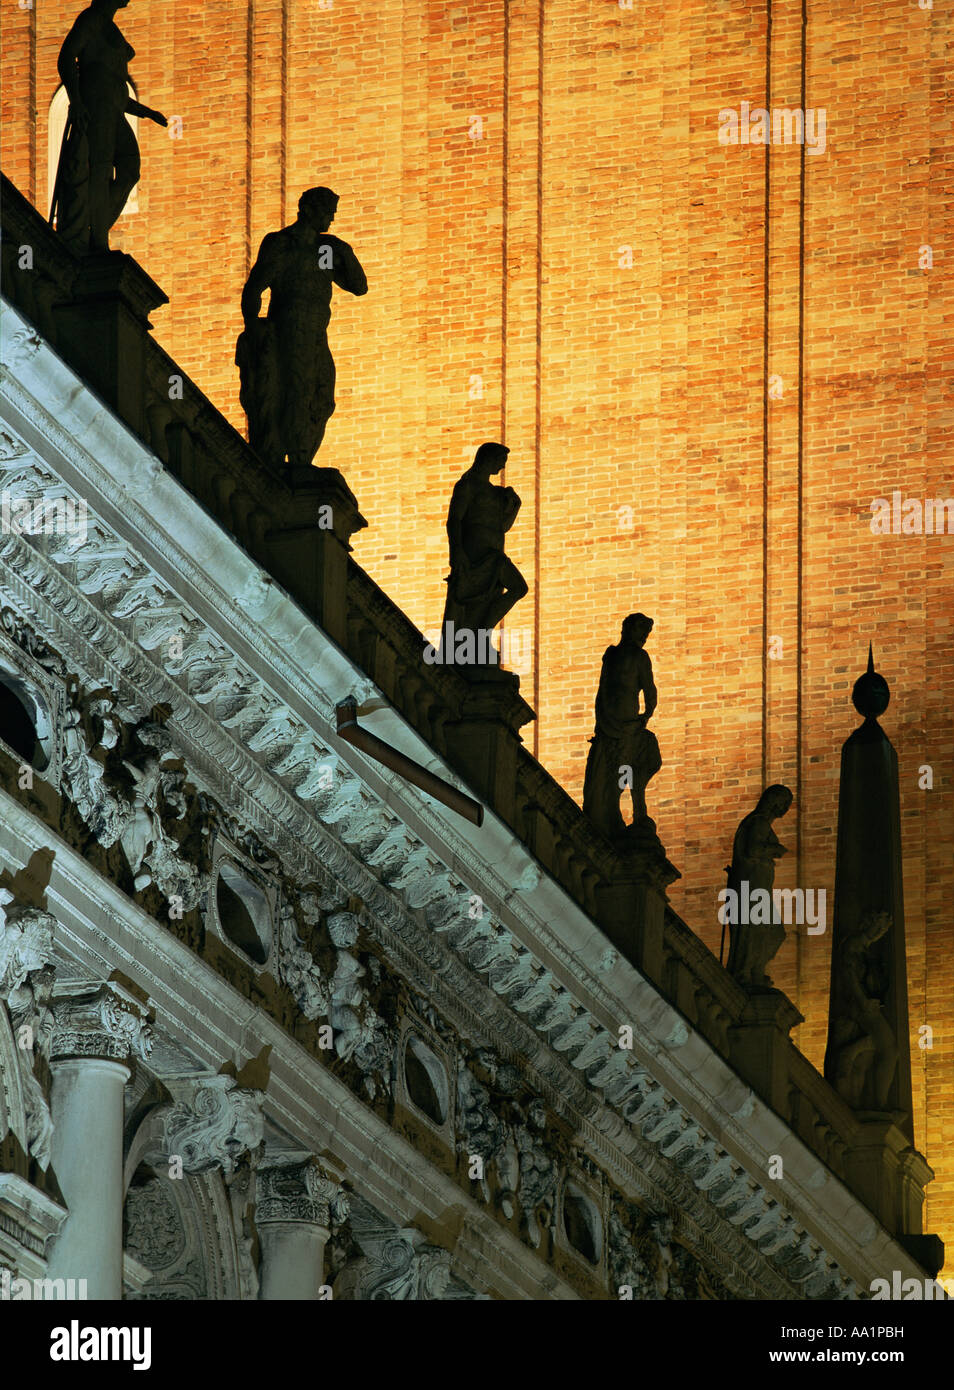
(286,367)
(624,754)
(752,944)
(99,157)
(863,1050)
(483,584)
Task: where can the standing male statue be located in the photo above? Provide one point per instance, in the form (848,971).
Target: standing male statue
(623,752)
(754,852)
(484,583)
(286,367)
(99,157)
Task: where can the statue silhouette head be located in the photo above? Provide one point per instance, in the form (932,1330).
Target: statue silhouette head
(776,800)
(636,628)
(490,458)
(317,208)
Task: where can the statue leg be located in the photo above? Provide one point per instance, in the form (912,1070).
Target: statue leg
(128,165)
(601,789)
(101,134)
(515,587)
(885,1058)
(646,763)
(309,404)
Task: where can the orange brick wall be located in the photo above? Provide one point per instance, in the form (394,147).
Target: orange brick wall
(600,282)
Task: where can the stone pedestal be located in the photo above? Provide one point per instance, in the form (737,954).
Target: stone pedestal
(484,741)
(97,1028)
(309,553)
(759,1045)
(881,1168)
(928,1251)
(631,899)
(293,1218)
(632,912)
(103,329)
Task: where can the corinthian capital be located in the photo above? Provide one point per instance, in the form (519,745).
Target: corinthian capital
(300,1192)
(99,1020)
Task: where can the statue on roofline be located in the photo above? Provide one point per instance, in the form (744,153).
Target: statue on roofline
(99,157)
(286,368)
(755,848)
(624,753)
(484,583)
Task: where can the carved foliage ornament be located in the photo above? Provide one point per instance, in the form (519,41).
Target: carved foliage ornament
(216,1126)
(101,1020)
(299,1192)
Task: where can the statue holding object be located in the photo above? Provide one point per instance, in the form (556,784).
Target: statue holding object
(484,583)
(286,368)
(99,157)
(624,753)
(752,944)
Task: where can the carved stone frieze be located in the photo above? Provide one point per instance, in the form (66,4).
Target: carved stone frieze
(361,1034)
(298,971)
(154,1233)
(395,1264)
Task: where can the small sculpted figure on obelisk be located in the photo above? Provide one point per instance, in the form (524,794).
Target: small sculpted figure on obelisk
(287,371)
(863,1050)
(867,1059)
(484,583)
(623,754)
(754,941)
(99,157)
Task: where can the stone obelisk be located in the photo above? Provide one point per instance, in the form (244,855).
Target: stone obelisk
(868,1058)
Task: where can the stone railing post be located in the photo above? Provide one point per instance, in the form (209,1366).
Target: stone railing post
(308,551)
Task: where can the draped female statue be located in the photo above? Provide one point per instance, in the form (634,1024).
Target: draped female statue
(99,156)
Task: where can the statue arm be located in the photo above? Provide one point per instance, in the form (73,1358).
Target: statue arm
(762,845)
(510,508)
(259,279)
(347,270)
(146,113)
(650,694)
(455,523)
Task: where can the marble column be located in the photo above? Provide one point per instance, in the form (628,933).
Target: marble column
(292,1217)
(98,1027)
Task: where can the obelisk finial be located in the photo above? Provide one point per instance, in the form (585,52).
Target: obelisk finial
(870,695)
